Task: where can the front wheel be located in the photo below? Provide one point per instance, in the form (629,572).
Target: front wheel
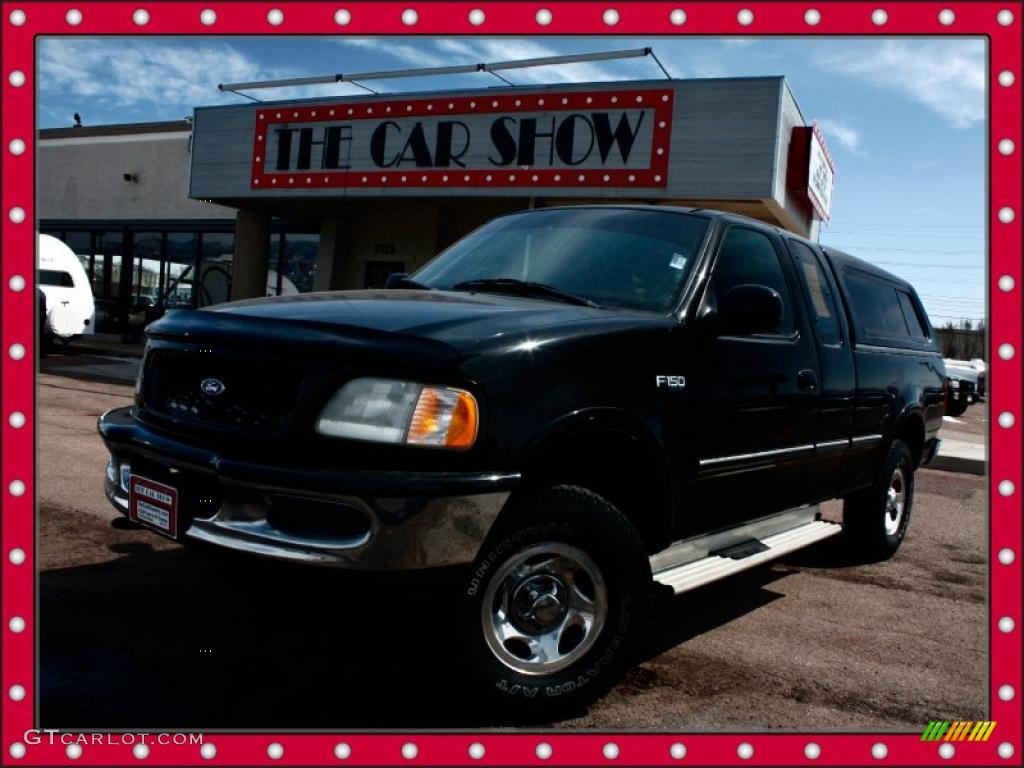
(876,519)
(555,604)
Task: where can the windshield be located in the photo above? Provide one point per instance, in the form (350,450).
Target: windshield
(618,257)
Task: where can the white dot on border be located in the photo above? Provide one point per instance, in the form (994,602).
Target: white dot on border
(1006,351)
(544,17)
(1006,78)
(477,17)
(1005,750)
(275,751)
(1006,488)
(812,17)
(410,750)
(16,692)
(342,751)
(1006,146)
(1006,420)
(1006,693)
(342,17)
(1006,556)
(16,283)
(544,750)
(141,18)
(879,751)
(878,18)
(208,751)
(16,556)
(16,488)
(16,214)
(17,351)
(17,17)
(610,17)
(410,17)
(745,751)
(16,147)
(812,751)
(1006,283)
(17,419)
(141,751)
(73,17)
(677,17)
(677,751)
(745,17)
(610,751)
(1006,625)
(73,751)
(1005,17)
(476,750)
(17,750)
(946,17)
(1006,214)
(208,16)
(17,624)
(16,78)
(275,16)
(946,751)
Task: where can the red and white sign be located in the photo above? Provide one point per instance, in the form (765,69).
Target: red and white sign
(821,174)
(607,138)
(153,504)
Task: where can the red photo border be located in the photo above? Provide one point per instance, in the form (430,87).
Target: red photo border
(658,100)
(1000,23)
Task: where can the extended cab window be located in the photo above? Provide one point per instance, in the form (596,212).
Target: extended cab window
(912,316)
(823,303)
(747,257)
(879,309)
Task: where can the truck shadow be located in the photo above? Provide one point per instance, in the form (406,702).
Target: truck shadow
(172,640)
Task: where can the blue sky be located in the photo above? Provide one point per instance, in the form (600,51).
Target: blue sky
(904,117)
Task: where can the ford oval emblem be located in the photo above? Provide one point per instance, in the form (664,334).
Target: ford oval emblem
(212,387)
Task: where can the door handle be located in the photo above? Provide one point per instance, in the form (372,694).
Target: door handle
(807,380)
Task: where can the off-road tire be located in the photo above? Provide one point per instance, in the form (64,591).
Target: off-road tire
(574,517)
(872,533)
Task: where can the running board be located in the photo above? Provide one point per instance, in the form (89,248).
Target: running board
(683,578)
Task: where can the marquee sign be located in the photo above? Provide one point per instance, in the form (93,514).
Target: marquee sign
(811,170)
(614,138)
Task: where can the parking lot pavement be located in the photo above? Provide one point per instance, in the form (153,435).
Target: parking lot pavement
(138,632)
(963,447)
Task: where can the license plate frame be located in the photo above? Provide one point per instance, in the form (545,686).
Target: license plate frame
(153,504)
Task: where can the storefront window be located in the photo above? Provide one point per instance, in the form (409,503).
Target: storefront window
(106,275)
(146,270)
(298,264)
(218,255)
(81,244)
(179,270)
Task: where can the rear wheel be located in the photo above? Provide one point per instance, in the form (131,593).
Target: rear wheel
(555,604)
(876,519)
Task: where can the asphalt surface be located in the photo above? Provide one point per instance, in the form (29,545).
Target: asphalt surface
(137,632)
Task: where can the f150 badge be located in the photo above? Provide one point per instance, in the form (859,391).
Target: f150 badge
(670,382)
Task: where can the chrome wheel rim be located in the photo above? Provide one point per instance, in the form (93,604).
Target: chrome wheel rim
(544,608)
(895,502)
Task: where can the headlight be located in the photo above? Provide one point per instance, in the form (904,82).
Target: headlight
(401,412)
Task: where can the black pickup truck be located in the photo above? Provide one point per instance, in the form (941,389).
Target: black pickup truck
(569,404)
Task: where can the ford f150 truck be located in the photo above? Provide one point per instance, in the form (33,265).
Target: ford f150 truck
(570,404)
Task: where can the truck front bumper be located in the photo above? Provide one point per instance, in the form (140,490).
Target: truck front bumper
(366,520)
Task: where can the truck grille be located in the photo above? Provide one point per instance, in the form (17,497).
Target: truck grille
(220,391)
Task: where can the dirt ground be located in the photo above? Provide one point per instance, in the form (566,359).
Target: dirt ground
(138,632)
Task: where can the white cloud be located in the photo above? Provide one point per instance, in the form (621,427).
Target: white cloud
(946,77)
(165,79)
(847,136)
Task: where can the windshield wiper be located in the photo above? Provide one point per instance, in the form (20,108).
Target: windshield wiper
(400,280)
(522,288)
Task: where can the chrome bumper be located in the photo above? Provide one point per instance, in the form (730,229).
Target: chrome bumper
(399,521)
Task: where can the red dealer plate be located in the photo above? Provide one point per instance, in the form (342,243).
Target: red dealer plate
(153,504)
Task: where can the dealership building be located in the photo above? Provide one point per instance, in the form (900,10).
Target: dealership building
(275,197)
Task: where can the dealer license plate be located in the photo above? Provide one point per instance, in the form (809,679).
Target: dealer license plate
(153,504)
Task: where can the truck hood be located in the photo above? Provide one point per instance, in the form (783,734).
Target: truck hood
(445,316)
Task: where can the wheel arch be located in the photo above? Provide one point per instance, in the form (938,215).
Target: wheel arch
(614,455)
(910,428)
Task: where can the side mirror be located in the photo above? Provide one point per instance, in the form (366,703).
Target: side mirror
(750,309)
(396,280)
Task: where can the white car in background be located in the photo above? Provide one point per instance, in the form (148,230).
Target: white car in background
(70,310)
